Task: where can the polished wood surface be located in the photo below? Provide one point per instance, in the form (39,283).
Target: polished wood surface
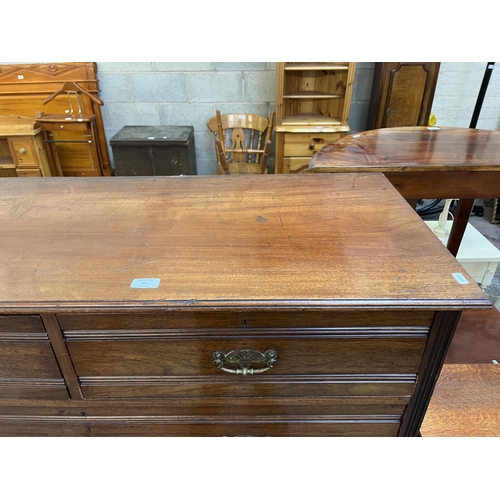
(466,402)
(412,149)
(423,162)
(219,241)
(477,338)
(246,265)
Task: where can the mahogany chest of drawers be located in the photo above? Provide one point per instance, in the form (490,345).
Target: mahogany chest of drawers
(221,306)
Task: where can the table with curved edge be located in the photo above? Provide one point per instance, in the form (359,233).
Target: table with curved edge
(423,162)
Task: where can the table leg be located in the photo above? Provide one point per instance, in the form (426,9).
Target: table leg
(460,221)
(413,203)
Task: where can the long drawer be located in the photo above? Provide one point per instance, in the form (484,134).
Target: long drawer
(209,417)
(111,361)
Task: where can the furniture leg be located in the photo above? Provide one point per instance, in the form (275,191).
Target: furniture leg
(462,215)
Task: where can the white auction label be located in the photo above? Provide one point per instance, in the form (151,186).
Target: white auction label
(145,283)
(460,278)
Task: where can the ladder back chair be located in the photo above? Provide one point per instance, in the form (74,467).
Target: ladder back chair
(242,142)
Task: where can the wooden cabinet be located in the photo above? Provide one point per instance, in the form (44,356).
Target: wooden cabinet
(21,148)
(312,109)
(319,305)
(25,87)
(402,94)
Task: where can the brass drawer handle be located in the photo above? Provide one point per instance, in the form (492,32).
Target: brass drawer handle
(244,359)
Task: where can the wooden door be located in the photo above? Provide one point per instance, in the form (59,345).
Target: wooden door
(402,94)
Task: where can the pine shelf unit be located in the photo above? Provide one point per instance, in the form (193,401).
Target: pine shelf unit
(312,109)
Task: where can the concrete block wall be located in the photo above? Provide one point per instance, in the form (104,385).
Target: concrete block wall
(189,94)
(184,94)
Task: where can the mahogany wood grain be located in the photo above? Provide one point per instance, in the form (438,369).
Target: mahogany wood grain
(27,365)
(477,338)
(183,356)
(304,386)
(260,241)
(466,402)
(243,318)
(26,324)
(423,162)
(62,356)
(361,306)
(206,428)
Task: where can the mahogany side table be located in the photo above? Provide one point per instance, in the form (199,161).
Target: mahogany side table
(423,162)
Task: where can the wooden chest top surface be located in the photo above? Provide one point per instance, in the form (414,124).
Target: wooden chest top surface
(228,241)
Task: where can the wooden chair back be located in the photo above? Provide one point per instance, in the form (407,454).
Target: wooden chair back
(242,142)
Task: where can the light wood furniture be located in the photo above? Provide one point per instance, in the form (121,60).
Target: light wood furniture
(312,109)
(21,148)
(73,127)
(402,94)
(424,162)
(242,142)
(23,89)
(221,305)
(465,403)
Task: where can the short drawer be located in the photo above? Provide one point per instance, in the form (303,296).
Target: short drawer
(29,172)
(23,152)
(307,144)
(296,165)
(28,368)
(335,363)
(19,324)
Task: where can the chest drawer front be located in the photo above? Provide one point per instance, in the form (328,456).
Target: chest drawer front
(307,144)
(23,152)
(21,324)
(158,364)
(180,320)
(28,367)
(29,172)
(263,428)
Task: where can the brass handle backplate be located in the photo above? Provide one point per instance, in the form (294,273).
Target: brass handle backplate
(245,361)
